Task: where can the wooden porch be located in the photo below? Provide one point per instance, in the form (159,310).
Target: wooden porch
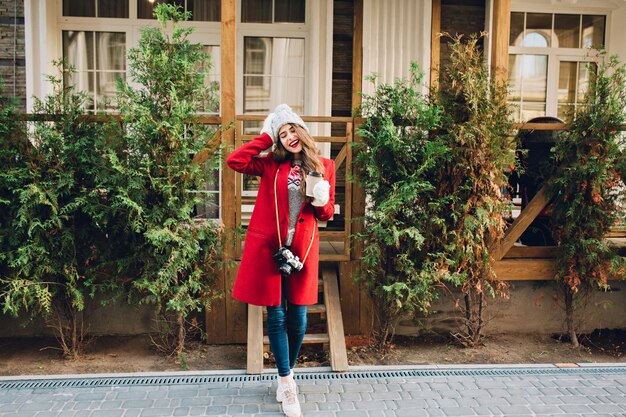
(227,322)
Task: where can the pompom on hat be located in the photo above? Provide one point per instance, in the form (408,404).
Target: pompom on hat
(285,115)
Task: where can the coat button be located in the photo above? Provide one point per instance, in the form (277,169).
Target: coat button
(301,220)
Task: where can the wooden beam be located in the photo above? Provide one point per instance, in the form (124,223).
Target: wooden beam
(530,212)
(435,43)
(500,39)
(545,252)
(525,270)
(255,340)
(235,311)
(228,58)
(334,321)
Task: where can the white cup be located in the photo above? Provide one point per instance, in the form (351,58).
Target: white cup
(311,179)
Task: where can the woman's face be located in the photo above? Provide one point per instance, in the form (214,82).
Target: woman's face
(289,139)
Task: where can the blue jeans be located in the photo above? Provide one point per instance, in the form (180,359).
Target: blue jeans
(286,326)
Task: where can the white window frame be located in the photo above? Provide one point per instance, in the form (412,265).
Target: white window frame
(556,55)
(45,24)
(317,34)
(44,41)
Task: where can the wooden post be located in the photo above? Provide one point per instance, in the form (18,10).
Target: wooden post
(220,320)
(435,43)
(501,29)
(355,300)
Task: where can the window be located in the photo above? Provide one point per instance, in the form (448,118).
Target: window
(210,208)
(272,11)
(273,73)
(548,62)
(201,10)
(99,58)
(97,45)
(96,8)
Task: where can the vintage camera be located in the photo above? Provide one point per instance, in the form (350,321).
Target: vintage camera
(287,261)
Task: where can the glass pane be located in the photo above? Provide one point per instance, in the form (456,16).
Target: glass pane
(532,110)
(288,57)
(257,55)
(210,208)
(517,29)
(256,11)
(205,10)
(291,11)
(273,73)
(565,112)
(79,8)
(214,181)
(113,8)
(212,79)
(538,30)
(585,70)
(567,30)
(256,92)
(593,31)
(515,116)
(534,70)
(515,78)
(78,49)
(145,7)
(111,51)
(106,88)
(567,82)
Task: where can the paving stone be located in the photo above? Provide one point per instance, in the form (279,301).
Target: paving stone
(138,403)
(156,412)
(107,413)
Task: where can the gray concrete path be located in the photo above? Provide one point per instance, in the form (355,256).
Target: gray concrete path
(373,392)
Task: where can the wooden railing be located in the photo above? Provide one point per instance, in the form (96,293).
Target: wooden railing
(512,262)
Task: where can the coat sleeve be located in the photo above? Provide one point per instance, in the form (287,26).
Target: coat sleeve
(245,159)
(326,211)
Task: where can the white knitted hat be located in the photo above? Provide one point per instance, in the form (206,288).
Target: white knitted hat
(284,115)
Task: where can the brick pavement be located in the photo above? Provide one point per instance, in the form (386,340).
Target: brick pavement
(564,393)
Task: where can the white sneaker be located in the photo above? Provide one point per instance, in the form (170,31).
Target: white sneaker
(289,399)
(280,393)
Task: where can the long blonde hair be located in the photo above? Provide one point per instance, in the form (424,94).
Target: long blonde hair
(311,159)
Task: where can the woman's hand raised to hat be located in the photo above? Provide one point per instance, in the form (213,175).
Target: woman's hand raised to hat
(267,126)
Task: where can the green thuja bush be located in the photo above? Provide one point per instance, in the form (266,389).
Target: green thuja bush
(396,163)
(477,132)
(57,214)
(587,190)
(175,254)
(14,148)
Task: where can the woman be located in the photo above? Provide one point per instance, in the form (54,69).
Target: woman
(281,234)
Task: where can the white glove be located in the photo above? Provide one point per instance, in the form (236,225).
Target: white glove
(321,193)
(267,125)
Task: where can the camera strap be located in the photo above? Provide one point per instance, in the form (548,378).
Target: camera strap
(280,241)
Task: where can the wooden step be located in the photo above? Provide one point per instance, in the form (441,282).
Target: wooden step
(312,309)
(309,339)
(330,311)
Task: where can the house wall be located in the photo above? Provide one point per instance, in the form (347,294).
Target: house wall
(459,17)
(534,307)
(12,56)
(343,21)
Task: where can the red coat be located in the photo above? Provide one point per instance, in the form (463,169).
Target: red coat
(258,280)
